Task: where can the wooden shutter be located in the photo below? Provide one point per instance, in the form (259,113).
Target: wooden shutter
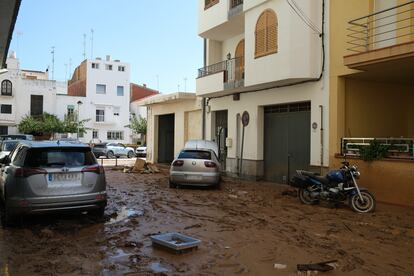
(260,44)
(266,34)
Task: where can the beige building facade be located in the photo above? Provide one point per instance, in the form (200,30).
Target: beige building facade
(172,120)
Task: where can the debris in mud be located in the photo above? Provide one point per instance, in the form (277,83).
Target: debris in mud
(279,266)
(175,241)
(125,214)
(322,266)
(292,193)
(142,167)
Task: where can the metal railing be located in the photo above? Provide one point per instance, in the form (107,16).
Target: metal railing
(382,29)
(235,3)
(397,147)
(233,71)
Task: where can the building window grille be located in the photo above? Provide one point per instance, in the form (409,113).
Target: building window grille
(115,135)
(95,65)
(108,67)
(210,3)
(121,68)
(95,134)
(6,109)
(6,88)
(100,115)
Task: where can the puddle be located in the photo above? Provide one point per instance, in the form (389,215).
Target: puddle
(120,255)
(124,214)
(158,268)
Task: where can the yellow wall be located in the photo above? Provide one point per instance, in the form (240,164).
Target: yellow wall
(375,109)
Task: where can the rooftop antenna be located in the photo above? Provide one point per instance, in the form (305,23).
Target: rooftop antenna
(53,62)
(185,84)
(66,71)
(91,43)
(70,66)
(158,83)
(178,87)
(84,46)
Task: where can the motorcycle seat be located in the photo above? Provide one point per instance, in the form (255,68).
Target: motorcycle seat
(308,173)
(323,179)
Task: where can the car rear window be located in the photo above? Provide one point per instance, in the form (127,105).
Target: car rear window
(195,154)
(59,157)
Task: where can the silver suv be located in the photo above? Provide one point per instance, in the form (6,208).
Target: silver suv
(40,177)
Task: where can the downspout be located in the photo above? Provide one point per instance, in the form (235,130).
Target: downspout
(322,142)
(203,101)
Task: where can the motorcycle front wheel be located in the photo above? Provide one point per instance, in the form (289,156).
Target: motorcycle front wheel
(362,206)
(305,197)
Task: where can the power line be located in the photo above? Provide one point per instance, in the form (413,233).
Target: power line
(295,7)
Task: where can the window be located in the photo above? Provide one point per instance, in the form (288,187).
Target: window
(71,111)
(100,115)
(95,65)
(81,134)
(121,68)
(6,88)
(116,111)
(36,105)
(95,134)
(115,135)
(6,109)
(108,66)
(4,130)
(100,89)
(59,157)
(119,90)
(209,3)
(266,34)
(195,154)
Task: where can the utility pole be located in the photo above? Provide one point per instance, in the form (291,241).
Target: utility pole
(66,71)
(158,83)
(53,62)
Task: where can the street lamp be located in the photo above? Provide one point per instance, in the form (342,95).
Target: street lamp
(77,120)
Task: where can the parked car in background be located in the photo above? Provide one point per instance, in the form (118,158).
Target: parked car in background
(198,166)
(141,151)
(51,176)
(112,150)
(6,146)
(16,137)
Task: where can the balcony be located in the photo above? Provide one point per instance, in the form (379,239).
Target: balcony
(225,76)
(383,42)
(236,7)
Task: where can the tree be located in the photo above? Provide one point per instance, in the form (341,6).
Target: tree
(48,124)
(138,125)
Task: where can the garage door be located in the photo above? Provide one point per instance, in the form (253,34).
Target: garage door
(287,140)
(166,138)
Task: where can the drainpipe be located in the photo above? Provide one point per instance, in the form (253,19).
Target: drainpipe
(321,107)
(203,102)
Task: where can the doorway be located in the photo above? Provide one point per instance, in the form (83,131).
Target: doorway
(166,138)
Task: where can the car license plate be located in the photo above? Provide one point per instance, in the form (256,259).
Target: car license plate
(58,178)
(193,177)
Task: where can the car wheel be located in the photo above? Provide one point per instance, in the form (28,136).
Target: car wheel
(130,154)
(172,184)
(110,154)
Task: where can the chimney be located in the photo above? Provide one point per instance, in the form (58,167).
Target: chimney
(108,57)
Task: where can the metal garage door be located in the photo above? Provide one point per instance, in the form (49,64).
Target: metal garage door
(287,140)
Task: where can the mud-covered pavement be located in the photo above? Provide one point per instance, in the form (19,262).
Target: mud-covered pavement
(245,228)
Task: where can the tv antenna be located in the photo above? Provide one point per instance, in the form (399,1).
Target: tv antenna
(158,83)
(92,43)
(53,62)
(70,66)
(66,71)
(84,46)
(185,84)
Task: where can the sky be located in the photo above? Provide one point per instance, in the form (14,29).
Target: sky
(158,38)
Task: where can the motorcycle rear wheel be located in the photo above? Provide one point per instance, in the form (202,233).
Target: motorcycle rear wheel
(305,198)
(366,206)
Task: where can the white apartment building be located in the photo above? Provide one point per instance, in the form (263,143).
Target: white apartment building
(265,57)
(102,89)
(25,92)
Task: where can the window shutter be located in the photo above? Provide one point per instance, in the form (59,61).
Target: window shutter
(260,47)
(271,35)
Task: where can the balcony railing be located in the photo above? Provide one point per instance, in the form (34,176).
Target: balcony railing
(236,7)
(382,29)
(233,71)
(397,147)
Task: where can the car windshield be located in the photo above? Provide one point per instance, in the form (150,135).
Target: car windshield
(8,146)
(59,157)
(195,154)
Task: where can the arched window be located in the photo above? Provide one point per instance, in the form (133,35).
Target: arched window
(6,88)
(266,34)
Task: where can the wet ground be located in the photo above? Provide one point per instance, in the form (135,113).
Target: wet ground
(246,228)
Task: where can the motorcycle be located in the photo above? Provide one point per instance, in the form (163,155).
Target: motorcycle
(337,186)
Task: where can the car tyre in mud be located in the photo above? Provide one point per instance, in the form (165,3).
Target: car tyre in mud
(368,205)
(305,197)
(172,184)
(110,154)
(130,154)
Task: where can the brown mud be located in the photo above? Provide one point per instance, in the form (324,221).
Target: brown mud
(245,227)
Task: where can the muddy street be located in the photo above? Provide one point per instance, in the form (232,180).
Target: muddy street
(245,228)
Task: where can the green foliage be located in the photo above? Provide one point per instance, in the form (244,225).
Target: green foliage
(49,124)
(138,125)
(375,151)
